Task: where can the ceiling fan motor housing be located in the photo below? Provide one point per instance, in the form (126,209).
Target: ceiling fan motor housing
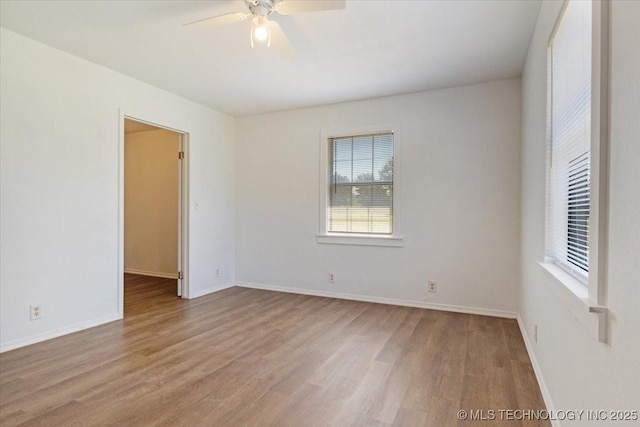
(261,7)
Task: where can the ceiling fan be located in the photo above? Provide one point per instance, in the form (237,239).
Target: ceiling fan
(264,30)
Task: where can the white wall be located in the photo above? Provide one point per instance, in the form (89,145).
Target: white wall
(59,177)
(580,372)
(151,202)
(459,189)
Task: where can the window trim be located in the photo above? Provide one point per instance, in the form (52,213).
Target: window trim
(591,298)
(359,239)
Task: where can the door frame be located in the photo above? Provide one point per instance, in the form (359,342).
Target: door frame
(183,208)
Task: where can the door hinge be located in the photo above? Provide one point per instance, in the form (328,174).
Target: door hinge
(179,275)
(181,155)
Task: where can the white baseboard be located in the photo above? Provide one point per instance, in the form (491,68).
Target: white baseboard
(44,336)
(546,396)
(210,290)
(380,300)
(151,273)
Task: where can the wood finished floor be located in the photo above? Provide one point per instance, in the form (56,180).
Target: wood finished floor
(244,357)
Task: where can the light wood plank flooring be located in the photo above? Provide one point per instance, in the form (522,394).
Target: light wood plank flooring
(244,357)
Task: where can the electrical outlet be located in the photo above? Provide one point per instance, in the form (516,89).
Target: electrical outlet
(535,332)
(217,272)
(432,286)
(36,312)
(332,278)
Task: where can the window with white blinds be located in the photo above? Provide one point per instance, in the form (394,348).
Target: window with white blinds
(360,193)
(569,140)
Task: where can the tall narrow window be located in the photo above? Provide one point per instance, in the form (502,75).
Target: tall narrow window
(360,193)
(569,140)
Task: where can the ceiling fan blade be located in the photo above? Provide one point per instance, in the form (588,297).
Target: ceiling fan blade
(289,7)
(279,40)
(215,21)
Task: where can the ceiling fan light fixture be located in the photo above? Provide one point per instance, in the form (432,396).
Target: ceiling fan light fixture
(260,30)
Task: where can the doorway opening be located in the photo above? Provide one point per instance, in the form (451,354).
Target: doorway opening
(153,218)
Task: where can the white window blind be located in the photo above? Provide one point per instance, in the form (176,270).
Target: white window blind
(569,189)
(360,193)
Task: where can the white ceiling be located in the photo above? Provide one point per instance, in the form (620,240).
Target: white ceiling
(372,48)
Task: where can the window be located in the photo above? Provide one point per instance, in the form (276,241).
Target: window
(361,184)
(569,190)
(577,150)
(357,189)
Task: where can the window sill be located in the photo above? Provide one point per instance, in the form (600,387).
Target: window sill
(574,295)
(575,286)
(360,240)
